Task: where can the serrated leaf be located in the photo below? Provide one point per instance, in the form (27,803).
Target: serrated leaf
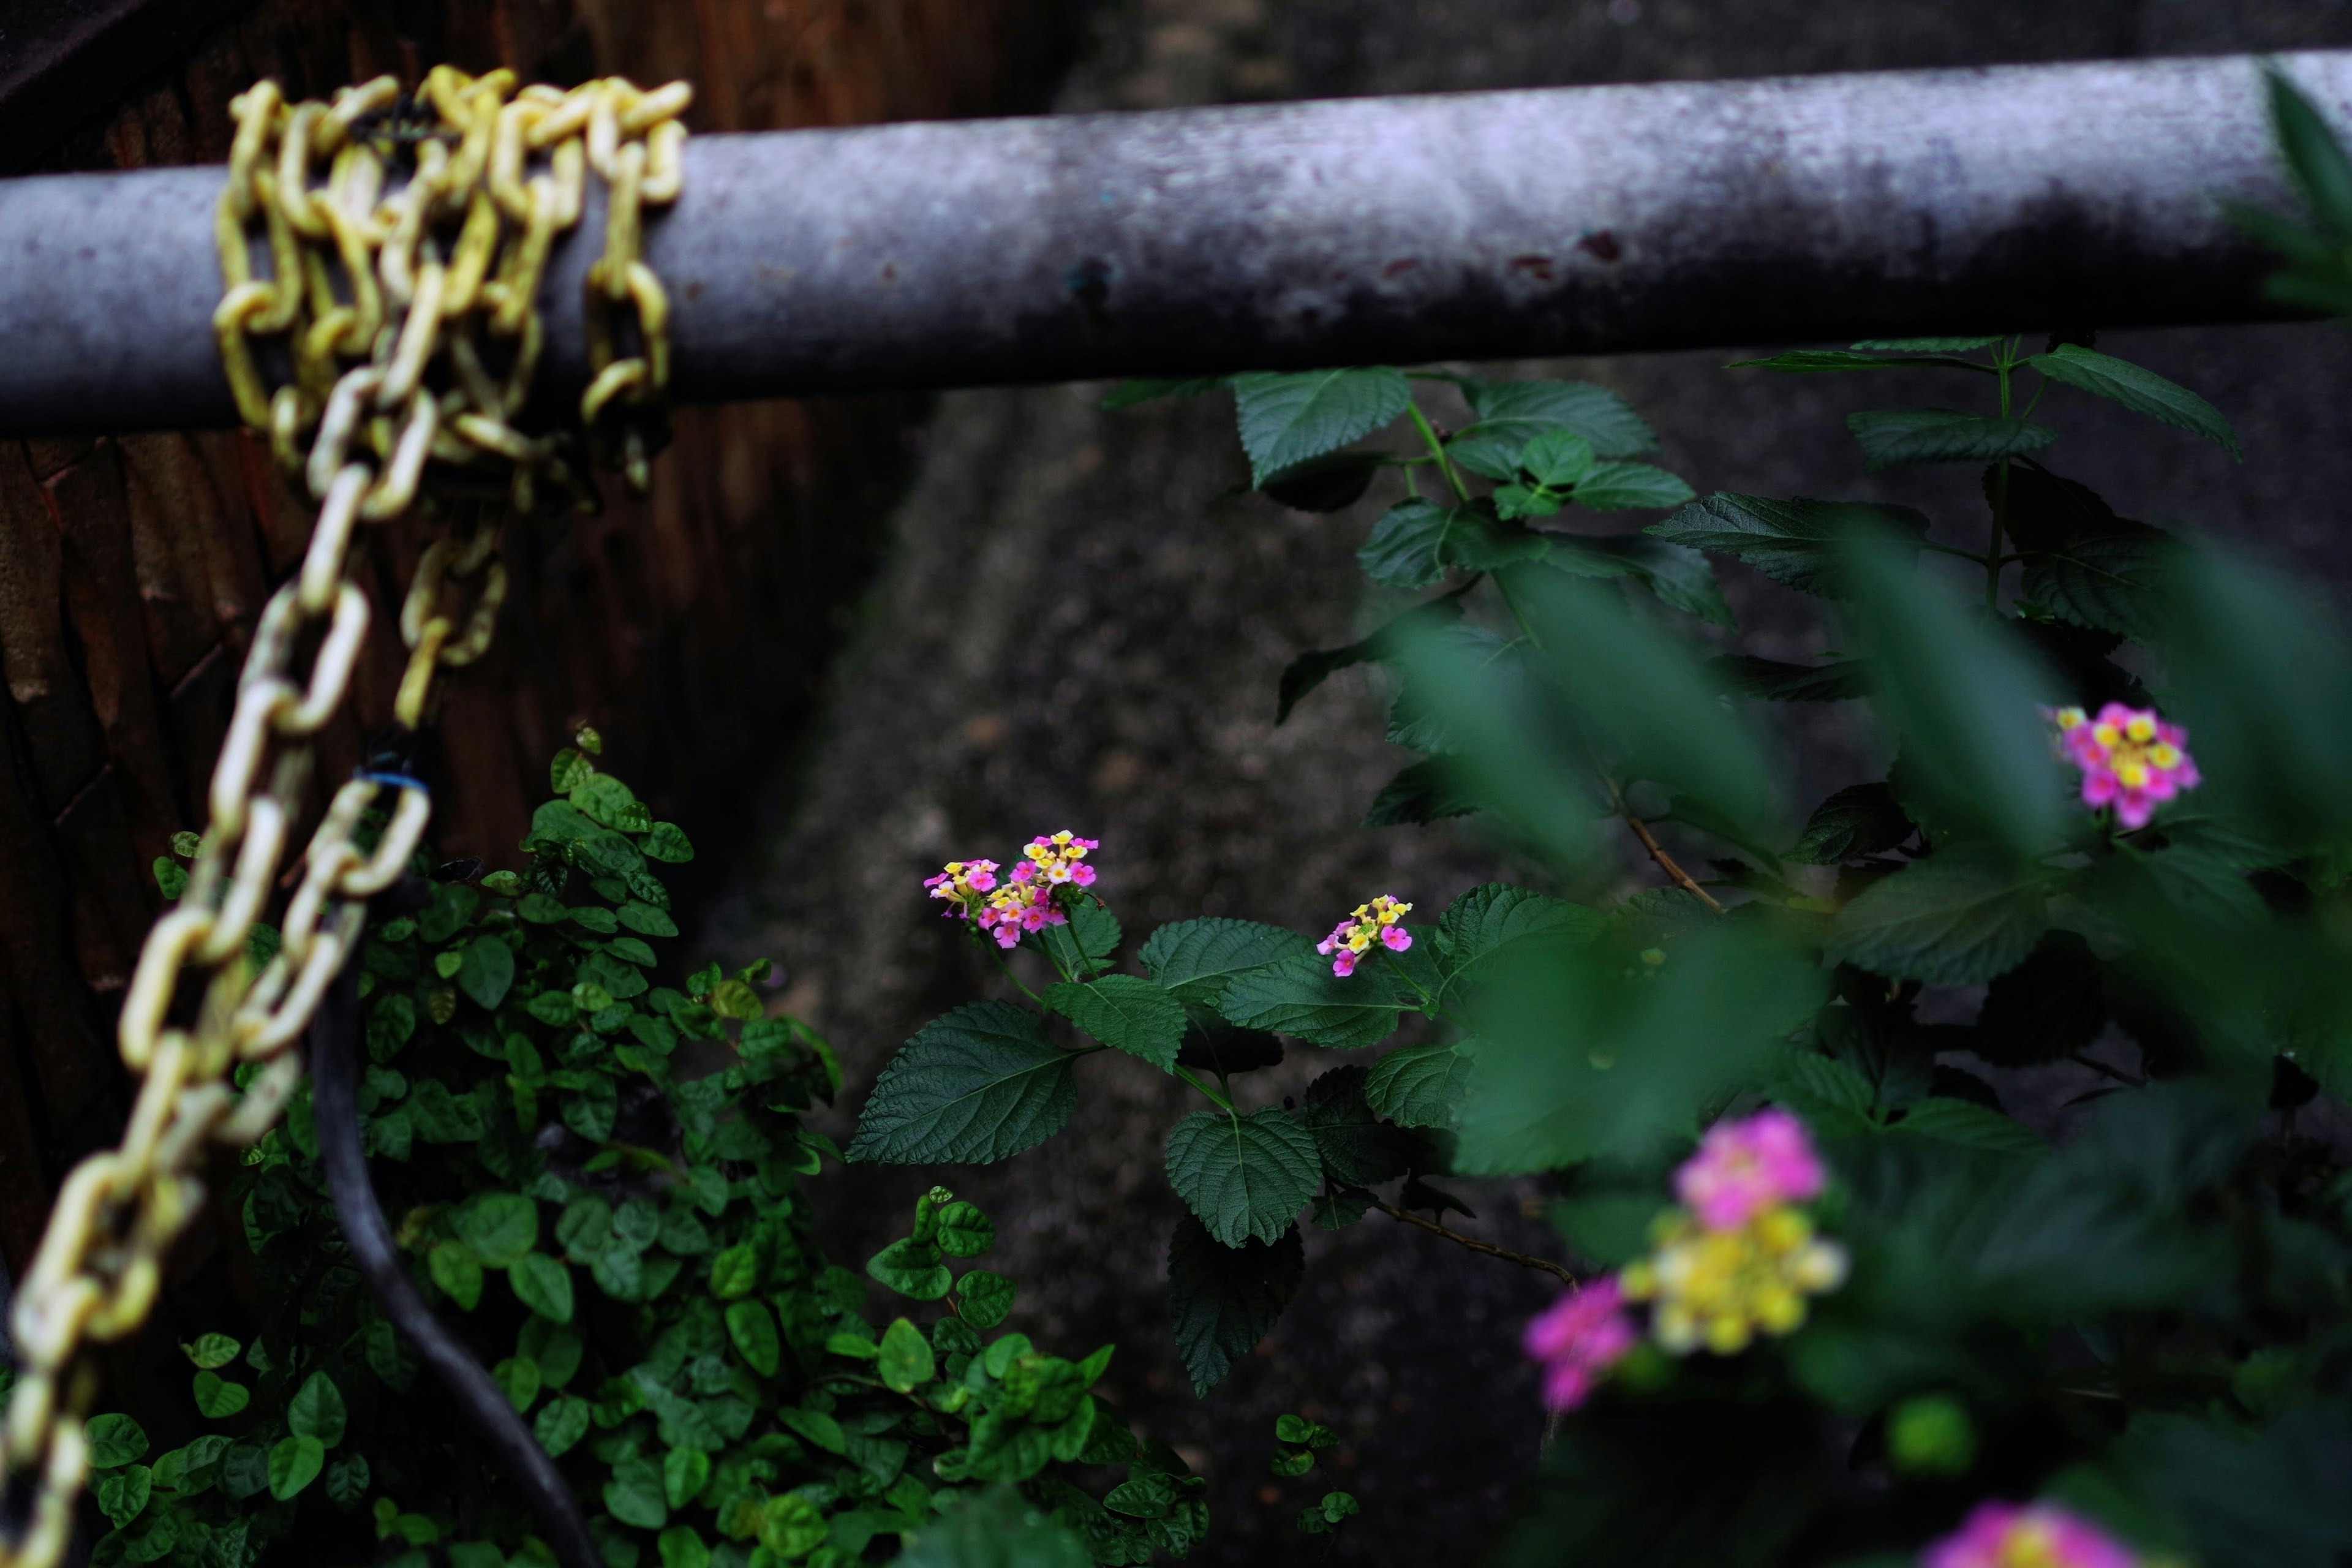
(1430,790)
(1301,996)
(1243,1176)
(1797,542)
(1332,482)
(1222,1299)
(1858,821)
(1495,917)
(1971,1126)
(1356,1147)
(1419,1086)
(1898,437)
(1417,542)
(1773,681)
(317,1410)
(976,1085)
(542,1284)
(294,1463)
(1629,487)
(2115,580)
(1819,1083)
(1127,1013)
(1197,960)
(2141,390)
(1595,413)
(1679,576)
(1286,418)
(1557,458)
(1950,920)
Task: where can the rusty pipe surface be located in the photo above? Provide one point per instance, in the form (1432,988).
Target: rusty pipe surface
(1499,224)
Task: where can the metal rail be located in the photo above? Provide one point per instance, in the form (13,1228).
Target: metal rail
(1510,225)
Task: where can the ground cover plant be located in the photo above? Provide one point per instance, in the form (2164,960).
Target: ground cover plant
(605,1180)
(1952,1173)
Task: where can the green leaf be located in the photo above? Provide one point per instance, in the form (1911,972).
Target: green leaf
(912,1269)
(1242,1176)
(641,917)
(1629,487)
(390,1023)
(1953,919)
(170,878)
(1197,961)
(684,1472)
(486,971)
(542,1284)
(1147,388)
(1417,542)
(1949,1120)
(1429,791)
(217,1398)
(984,1296)
(605,800)
(1494,917)
(317,1410)
(1797,543)
(979,1084)
(753,1328)
(499,1228)
(998,1528)
(1558,458)
(1301,995)
(1332,482)
(735,1271)
(1127,1013)
(1859,821)
(1595,413)
(458,1272)
(1287,418)
(1896,438)
(1928,345)
(347,1481)
(1965,696)
(560,1422)
(1820,360)
(1746,676)
(1309,670)
(210,1350)
(682,1547)
(518,1378)
(906,1361)
(1357,1148)
(1221,1300)
(2114,580)
(963,1231)
(2141,390)
(115,1439)
(122,1494)
(294,1463)
(636,1495)
(1681,577)
(2047,1007)
(665,841)
(1419,1086)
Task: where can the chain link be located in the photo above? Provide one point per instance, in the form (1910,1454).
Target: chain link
(406,241)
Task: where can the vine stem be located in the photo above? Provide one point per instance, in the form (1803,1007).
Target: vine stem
(1437,450)
(1220,1103)
(1474,1245)
(1666,863)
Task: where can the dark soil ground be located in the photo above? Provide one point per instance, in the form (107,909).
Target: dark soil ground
(1078,626)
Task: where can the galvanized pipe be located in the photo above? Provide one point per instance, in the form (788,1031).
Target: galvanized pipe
(1507,225)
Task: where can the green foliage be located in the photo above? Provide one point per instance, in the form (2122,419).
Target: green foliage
(602,1168)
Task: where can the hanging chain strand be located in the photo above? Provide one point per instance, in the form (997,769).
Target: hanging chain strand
(406,310)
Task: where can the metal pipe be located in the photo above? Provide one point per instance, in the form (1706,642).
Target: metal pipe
(1509,225)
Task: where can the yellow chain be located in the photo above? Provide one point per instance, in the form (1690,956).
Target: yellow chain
(406,311)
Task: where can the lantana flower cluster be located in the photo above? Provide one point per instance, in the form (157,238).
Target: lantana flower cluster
(1380,921)
(2129,759)
(2037,1535)
(1006,907)
(1739,1259)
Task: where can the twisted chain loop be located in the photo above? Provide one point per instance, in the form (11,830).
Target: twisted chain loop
(405,243)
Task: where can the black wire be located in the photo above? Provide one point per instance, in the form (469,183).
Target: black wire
(335,1098)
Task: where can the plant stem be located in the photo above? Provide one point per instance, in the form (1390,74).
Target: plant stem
(1675,873)
(998,953)
(1218,1101)
(1437,450)
(1474,1245)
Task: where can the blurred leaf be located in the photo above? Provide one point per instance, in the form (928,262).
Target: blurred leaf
(999,1530)
(1679,576)
(1329,483)
(2141,390)
(1966,698)
(1429,791)
(1595,413)
(1893,439)
(1859,821)
(1950,1120)
(1953,919)
(2269,1499)
(1799,542)
(1309,670)
(1358,1149)
(2047,1007)
(2314,155)
(1287,418)
(1743,675)
(2041,510)
(1223,1300)
(978,1084)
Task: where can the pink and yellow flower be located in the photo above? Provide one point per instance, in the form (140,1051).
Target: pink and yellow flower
(1381,920)
(1717,1288)
(1021,905)
(1745,1166)
(962,883)
(1577,1339)
(2037,1535)
(1059,858)
(2129,759)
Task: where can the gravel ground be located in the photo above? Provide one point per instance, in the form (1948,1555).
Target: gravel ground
(1078,623)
